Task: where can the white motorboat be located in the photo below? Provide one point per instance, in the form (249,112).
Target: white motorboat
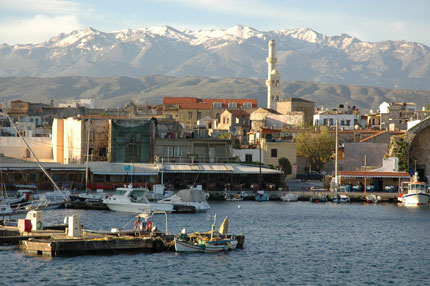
(373,198)
(134,200)
(289,197)
(187,200)
(417,193)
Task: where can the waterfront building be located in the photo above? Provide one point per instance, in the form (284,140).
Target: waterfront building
(192,150)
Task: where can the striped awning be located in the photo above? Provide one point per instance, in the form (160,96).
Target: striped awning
(370,174)
(217,168)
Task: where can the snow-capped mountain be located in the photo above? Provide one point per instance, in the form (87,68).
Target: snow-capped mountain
(239,51)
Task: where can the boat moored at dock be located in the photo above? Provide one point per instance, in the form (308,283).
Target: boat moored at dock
(417,193)
(134,200)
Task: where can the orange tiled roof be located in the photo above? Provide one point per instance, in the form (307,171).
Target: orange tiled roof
(372,136)
(362,174)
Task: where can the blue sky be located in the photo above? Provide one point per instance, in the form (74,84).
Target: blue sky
(33,21)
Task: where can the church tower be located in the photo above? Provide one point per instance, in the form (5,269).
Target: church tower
(273,81)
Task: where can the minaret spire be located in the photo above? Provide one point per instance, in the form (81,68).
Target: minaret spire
(273,81)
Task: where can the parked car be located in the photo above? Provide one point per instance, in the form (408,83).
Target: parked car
(312,175)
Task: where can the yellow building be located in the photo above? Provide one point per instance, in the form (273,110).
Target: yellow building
(274,150)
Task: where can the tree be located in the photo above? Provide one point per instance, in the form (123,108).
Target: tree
(317,148)
(285,165)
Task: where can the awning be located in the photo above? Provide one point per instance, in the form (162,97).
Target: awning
(217,168)
(104,168)
(370,174)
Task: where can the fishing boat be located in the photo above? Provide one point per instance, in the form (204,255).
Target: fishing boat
(289,197)
(212,241)
(229,196)
(187,200)
(134,200)
(341,198)
(417,193)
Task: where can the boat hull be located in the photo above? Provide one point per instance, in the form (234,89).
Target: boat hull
(139,208)
(290,197)
(420,199)
(208,246)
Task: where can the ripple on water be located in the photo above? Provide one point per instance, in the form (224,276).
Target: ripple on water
(286,244)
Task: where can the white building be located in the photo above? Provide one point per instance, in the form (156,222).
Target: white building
(328,118)
(83,102)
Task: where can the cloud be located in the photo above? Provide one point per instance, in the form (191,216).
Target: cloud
(42,6)
(36,29)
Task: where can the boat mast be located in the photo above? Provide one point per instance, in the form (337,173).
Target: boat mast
(88,155)
(336,179)
(37,159)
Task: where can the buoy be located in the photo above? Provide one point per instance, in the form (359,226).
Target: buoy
(318,201)
(238,206)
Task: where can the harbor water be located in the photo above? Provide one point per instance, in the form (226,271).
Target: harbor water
(286,244)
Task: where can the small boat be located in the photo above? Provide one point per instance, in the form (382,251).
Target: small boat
(373,199)
(341,199)
(289,197)
(212,241)
(318,198)
(188,200)
(133,200)
(234,197)
(417,193)
(261,196)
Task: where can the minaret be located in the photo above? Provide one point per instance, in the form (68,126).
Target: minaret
(273,81)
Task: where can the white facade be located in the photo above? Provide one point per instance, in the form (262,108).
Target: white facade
(249,155)
(72,140)
(345,121)
(273,81)
(384,107)
(84,102)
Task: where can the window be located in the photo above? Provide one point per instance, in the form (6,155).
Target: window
(348,122)
(102,152)
(342,122)
(199,115)
(168,151)
(247,105)
(248,158)
(190,115)
(274,153)
(177,151)
(232,105)
(217,105)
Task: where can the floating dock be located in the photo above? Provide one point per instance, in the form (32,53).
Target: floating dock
(71,239)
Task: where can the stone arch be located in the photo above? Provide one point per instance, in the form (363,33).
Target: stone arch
(418,139)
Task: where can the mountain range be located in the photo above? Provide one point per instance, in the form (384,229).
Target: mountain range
(237,52)
(112,92)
